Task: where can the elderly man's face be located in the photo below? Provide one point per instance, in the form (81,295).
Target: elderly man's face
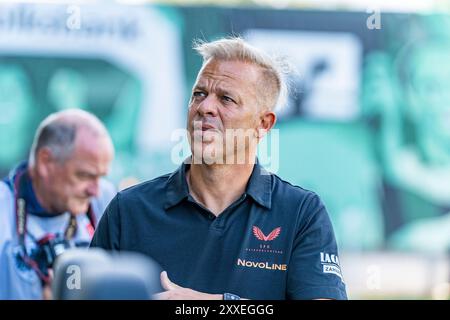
(224,103)
(73,183)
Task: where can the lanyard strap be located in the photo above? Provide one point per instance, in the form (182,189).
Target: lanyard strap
(21,222)
(21,216)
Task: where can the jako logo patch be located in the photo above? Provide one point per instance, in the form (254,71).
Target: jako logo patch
(261,236)
(330,263)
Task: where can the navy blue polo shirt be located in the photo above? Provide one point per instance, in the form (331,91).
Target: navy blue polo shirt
(275,242)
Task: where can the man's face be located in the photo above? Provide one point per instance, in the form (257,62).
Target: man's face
(73,183)
(224,98)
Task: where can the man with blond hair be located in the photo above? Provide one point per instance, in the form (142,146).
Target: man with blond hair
(221,226)
(53,201)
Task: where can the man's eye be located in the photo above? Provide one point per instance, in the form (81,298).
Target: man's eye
(228,99)
(198,94)
(84,176)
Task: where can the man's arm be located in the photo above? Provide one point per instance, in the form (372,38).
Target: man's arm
(314,271)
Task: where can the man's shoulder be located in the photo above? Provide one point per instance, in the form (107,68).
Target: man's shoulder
(6,211)
(288,199)
(283,189)
(144,189)
(6,198)
(4,188)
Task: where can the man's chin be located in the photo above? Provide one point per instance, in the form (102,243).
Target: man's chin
(79,208)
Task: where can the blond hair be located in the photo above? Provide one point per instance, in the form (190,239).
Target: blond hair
(274,87)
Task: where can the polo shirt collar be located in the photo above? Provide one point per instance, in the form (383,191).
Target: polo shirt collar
(259,186)
(176,186)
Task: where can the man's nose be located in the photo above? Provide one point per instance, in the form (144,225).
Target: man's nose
(93,188)
(208,106)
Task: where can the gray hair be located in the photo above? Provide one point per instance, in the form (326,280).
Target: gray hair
(58,131)
(274,70)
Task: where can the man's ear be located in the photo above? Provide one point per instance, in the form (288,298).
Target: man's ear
(43,162)
(267,121)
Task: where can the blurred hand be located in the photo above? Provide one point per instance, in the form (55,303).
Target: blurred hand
(47,288)
(176,292)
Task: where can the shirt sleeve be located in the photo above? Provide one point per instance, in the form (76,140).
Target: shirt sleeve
(314,269)
(107,233)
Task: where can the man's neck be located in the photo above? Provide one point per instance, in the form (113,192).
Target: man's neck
(217,186)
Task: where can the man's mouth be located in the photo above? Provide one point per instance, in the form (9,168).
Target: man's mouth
(206,127)
(206,132)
